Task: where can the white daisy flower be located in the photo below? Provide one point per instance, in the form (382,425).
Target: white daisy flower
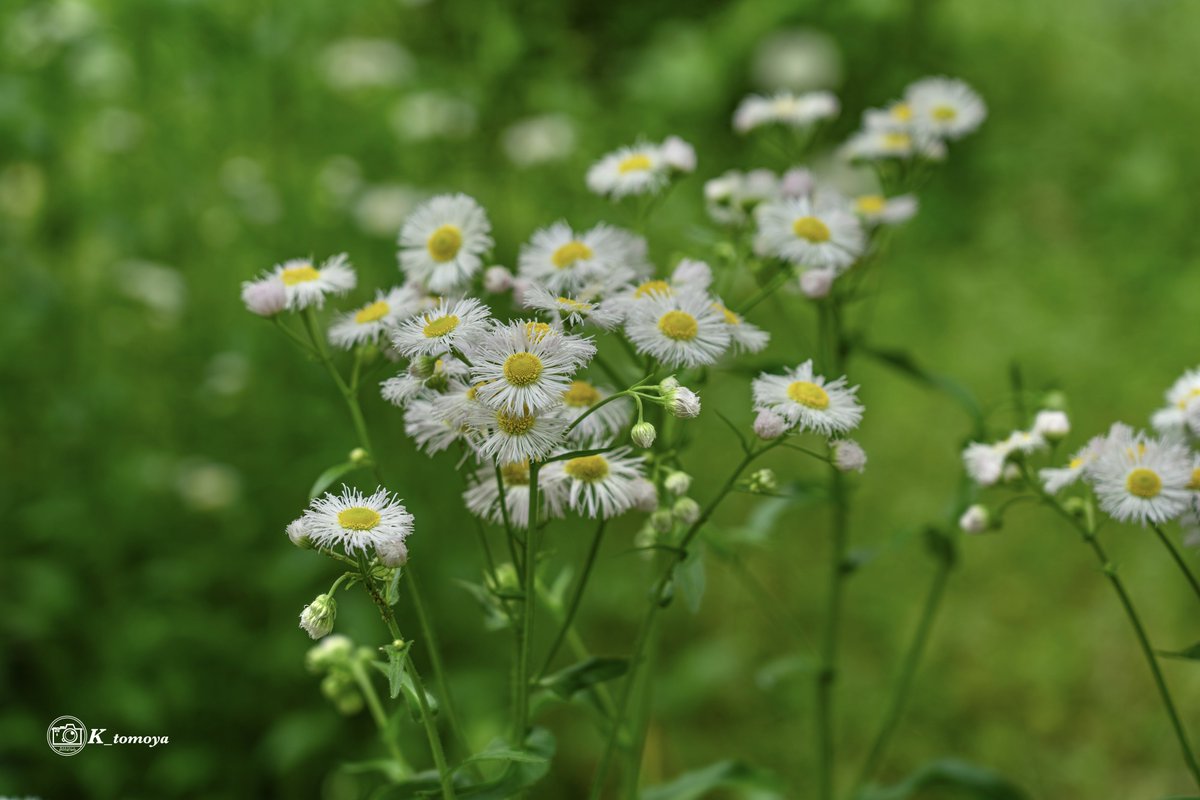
(604,484)
(1182,396)
(784,108)
(1056,478)
(526,366)
(1022,442)
(875,209)
(732,197)
(678,329)
(688,275)
(874,144)
(483,499)
(746,337)
(820,233)
(370,322)
(808,402)
(429,423)
(448,325)
(897,116)
(602,424)
(562,260)
(518,436)
(266,296)
(355,521)
(307,285)
(945,107)
(640,169)
(443,241)
(565,309)
(1144,481)
(497,280)
(984,462)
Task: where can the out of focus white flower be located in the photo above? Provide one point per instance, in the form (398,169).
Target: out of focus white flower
(432,115)
(645,495)
(817,233)
(799,60)
(677,482)
(769,425)
(732,197)
(686,510)
(497,279)
(875,209)
(539,140)
(1183,395)
(817,283)
(984,462)
(266,296)
(637,169)
(784,108)
(678,154)
(350,64)
(1051,425)
(381,210)
(945,107)
(207,486)
(976,519)
(849,456)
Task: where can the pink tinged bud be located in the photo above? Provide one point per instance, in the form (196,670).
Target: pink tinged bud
(497,280)
(265,297)
(769,425)
(816,283)
(678,154)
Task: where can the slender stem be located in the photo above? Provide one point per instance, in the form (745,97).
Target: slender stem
(508,526)
(908,669)
(594,407)
(827,675)
(576,598)
(764,292)
(609,370)
(640,723)
(377,712)
(1175,554)
(521,713)
(435,662)
(575,642)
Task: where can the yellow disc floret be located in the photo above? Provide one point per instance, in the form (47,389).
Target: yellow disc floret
(1143,483)
(587,468)
(944,113)
(444,243)
(730,317)
(536,331)
(812,229)
(358,518)
(294,275)
(652,287)
(569,253)
(1194,483)
(440,326)
(638,162)
(870,204)
(515,474)
(807,393)
(515,424)
(581,394)
(372,313)
(522,369)
(678,325)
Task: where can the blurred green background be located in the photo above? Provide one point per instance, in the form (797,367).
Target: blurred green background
(157,438)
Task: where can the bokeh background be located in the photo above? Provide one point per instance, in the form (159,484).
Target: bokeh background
(157,438)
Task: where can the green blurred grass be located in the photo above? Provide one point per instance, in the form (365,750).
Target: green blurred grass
(1060,237)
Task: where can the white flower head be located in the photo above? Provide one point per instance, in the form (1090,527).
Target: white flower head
(745,336)
(808,402)
(600,425)
(818,233)
(297,533)
(519,435)
(563,308)
(1183,395)
(497,280)
(984,462)
(645,495)
(680,401)
(306,284)
(443,241)
(1022,442)
(677,482)
(679,328)
(604,484)
(1057,478)
(355,521)
(1142,480)
(266,296)
(639,169)
(877,144)
(372,321)
(945,107)
(525,366)
(732,197)
(678,154)
(448,325)
(483,499)
(849,456)
(875,209)
(563,260)
(817,283)
(784,108)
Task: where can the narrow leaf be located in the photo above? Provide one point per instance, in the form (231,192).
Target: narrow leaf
(732,775)
(585,674)
(329,476)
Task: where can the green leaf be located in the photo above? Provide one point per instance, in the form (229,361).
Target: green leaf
(689,577)
(733,775)
(393,587)
(329,476)
(1188,653)
(520,775)
(968,781)
(393,668)
(500,751)
(587,673)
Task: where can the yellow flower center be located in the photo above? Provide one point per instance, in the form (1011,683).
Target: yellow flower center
(870,204)
(569,253)
(1143,483)
(897,141)
(522,369)
(1075,463)
(1194,483)
(574,305)
(902,112)
(536,331)
(376,311)
(294,275)
(807,393)
(944,113)
(812,229)
(587,468)
(515,424)
(444,243)
(730,317)
(516,474)
(475,389)
(678,325)
(581,394)
(638,162)
(652,287)
(1189,397)
(440,326)
(358,518)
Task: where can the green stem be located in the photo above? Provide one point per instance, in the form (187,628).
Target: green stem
(908,670)
(827,675)
(763,293)
(521,715)
(1175,554)
(377,712)
(576,598)
(435,662)
(640,722)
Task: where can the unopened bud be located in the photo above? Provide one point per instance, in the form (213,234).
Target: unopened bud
(643,434)
(662,521)
(317,617)
(976,519)
(297,533)
(678,482)
(686,510)
(359,456)
(763,480)
(769,425)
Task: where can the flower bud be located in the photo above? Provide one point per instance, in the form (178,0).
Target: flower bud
(662,521)
(769,425)
(763,480)
(678,154)
(317,617)
(332,651)
(848,456)
(686,510)
(359,456)
(1053,426)
(816,283)
(645,495)
(975,519)
(643,434)
(497,280)
(297,533)
(423,367)
(691,272)
(266,296)
(678,482)
(392,552)
(684,403)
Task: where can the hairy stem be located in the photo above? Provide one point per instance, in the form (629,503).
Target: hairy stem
(1178,557)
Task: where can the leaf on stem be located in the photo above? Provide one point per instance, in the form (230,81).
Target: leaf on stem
(953,778)
(1187,654)
(734,775)
(583,675)
(326,478)
(689,577)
